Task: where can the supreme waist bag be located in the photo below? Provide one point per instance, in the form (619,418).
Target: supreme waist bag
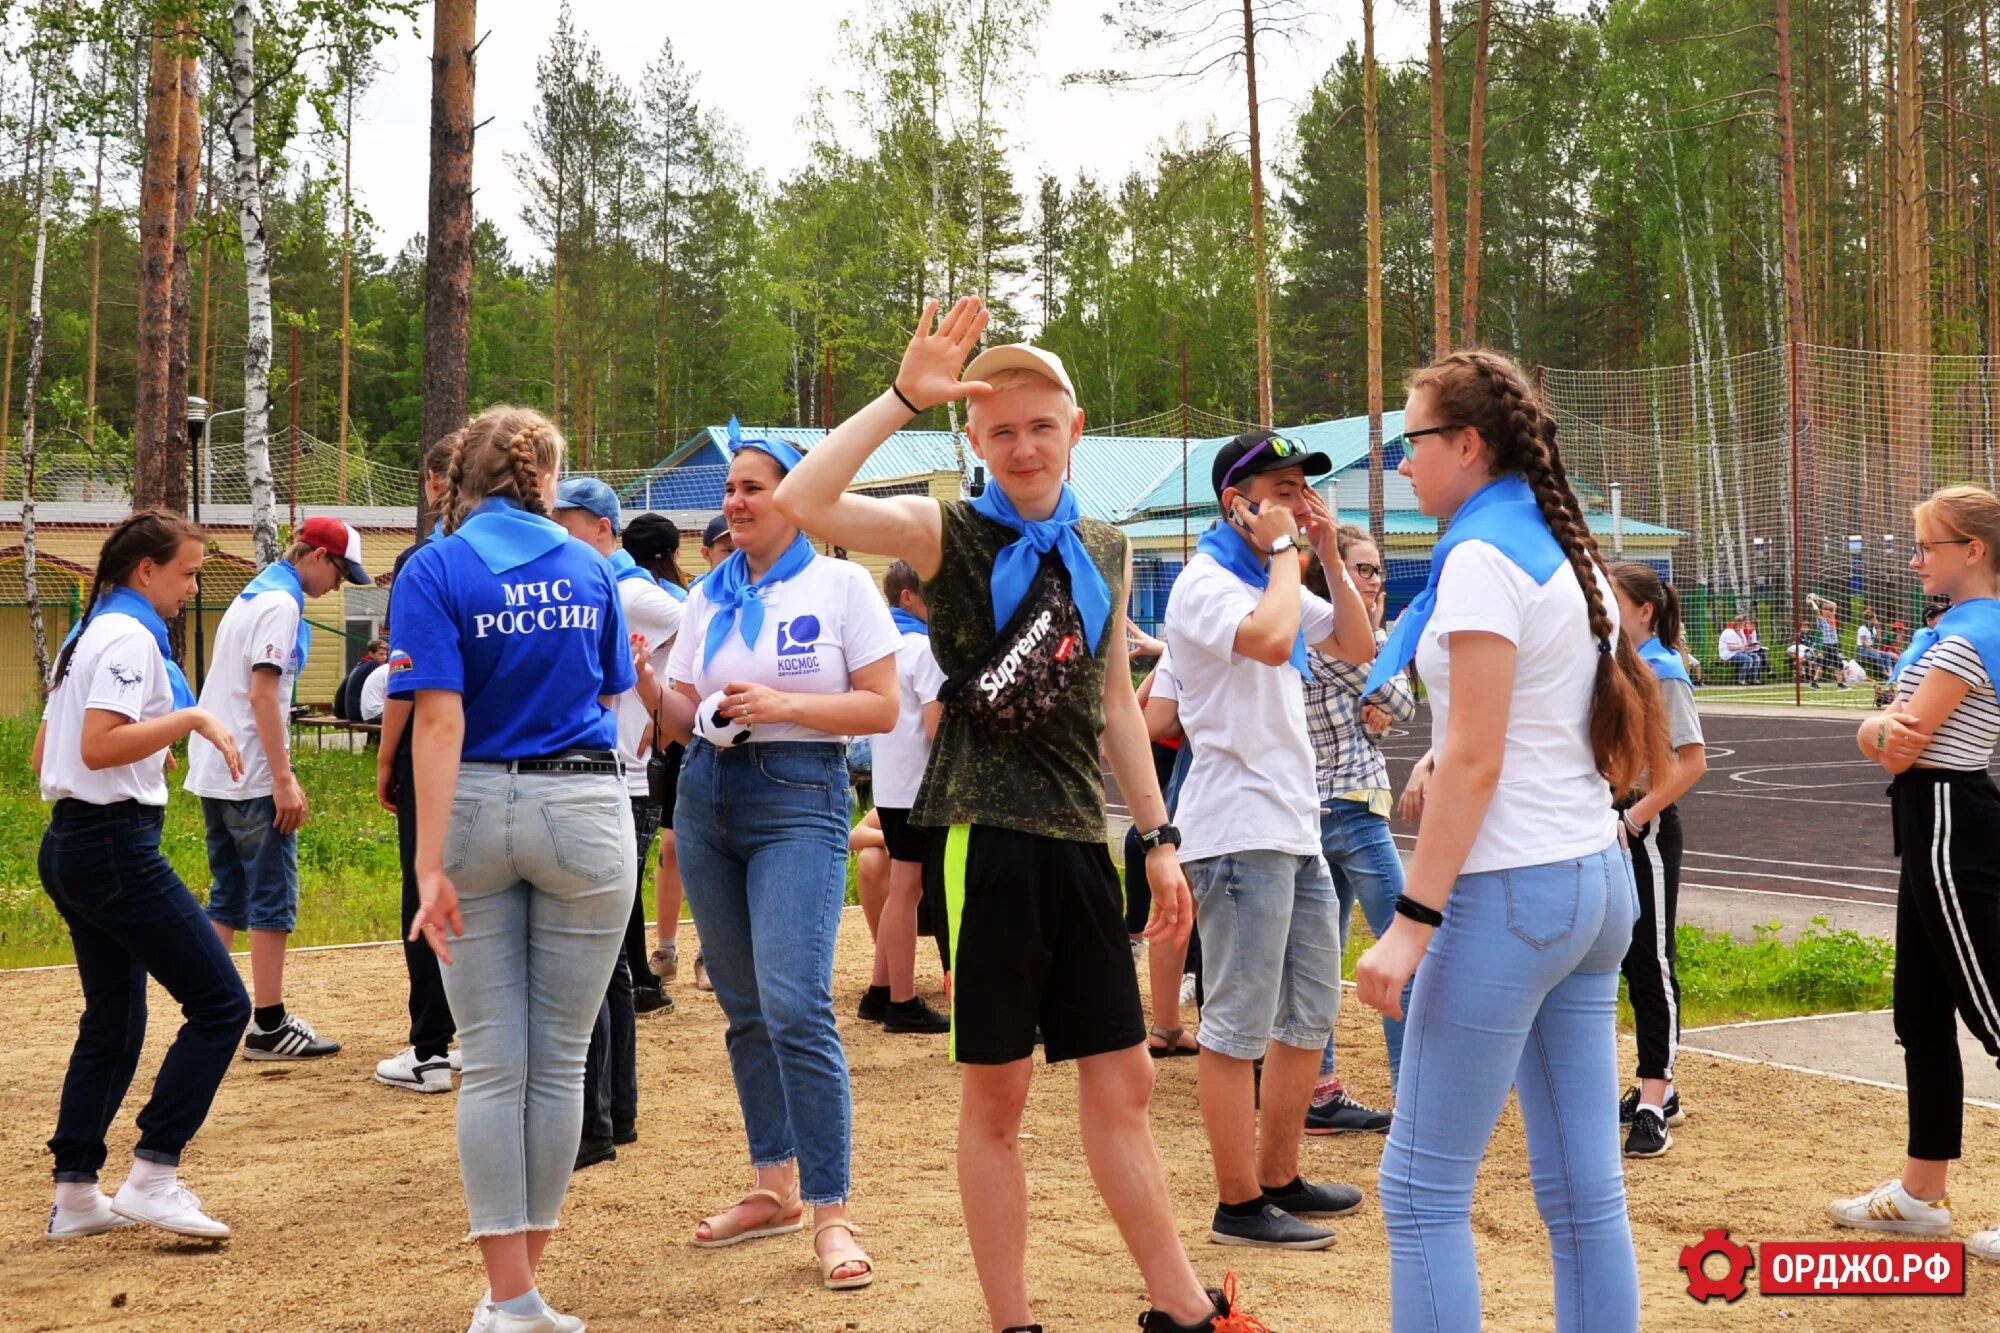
(1017,684)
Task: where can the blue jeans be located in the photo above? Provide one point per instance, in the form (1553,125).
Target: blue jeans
(543,864)
(762,834)
(129,916)
(255,867)
(1270,951)
(1362,856)
(1518,990)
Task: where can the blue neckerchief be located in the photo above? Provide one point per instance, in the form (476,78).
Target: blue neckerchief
(672,589)
(907,623)
(1014,569)
(126,601)
(505,536)
(1666,663)
(782,450)
(1976,620)
(1502,513)
(279,576)
(738,601)
(1230,549)
(628,568)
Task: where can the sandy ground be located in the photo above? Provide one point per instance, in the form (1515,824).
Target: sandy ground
(348,1215)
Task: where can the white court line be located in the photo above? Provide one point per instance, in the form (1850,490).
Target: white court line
(1821,1073)
(1800,865)
(1796,800)
(1806,879)
(1795,897)
(1795,1018)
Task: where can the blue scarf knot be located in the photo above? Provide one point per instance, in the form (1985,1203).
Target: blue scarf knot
(739,602)
(787,456)
(1014,568)
(1229,548)
(1976,620)
(1502,513)
(907,623)
(625,567)
(279,576)
(127,601)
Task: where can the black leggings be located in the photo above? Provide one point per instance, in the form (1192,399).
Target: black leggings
(1947,942)
(1651,967)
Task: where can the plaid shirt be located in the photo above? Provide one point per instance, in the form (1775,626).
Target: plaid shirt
(1347,759)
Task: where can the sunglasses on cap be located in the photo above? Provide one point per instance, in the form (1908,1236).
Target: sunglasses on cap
(1277,446)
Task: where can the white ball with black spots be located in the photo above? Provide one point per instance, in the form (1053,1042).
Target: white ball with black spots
(719,731)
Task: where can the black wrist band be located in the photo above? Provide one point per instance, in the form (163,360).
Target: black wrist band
(897,389)
(1417,912)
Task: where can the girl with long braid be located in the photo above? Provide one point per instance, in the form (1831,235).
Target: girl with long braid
(117,702)
(1517,904)
(510,638)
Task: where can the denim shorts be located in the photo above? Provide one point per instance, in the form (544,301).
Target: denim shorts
(255,868)
(1270,949)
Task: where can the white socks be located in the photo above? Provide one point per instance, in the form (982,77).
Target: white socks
(79,1196)
(151,1177)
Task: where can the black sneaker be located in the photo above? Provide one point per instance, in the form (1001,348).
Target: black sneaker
(1305,1199)
(914,1015)
(651,1000)
(1629,1103)
(1339,1113)
(624,1132)
(1159,1321)
(593,1150)
(1649,1136)
(1269,1228)
(292,1039)
(874,1006)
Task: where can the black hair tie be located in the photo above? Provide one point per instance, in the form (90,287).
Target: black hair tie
(1604,645)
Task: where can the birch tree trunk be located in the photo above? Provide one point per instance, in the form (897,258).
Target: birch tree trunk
(1440,202)
(1376,504)
(257,281)
(346,270)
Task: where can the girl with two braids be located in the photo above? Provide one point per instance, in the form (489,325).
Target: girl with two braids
(1518,904)
(117,702)
(508,636)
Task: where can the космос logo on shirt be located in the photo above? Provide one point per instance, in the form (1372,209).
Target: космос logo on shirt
(797,640)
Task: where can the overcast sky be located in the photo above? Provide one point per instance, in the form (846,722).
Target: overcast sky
(759,62)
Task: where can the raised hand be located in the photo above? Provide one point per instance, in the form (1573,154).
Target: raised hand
(935,356)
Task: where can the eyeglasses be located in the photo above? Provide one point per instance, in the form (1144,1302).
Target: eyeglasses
(1368,571)
(1403,441)
(1924,548)
(1279,447)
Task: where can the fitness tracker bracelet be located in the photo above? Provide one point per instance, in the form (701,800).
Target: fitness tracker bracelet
(1166,835)
(1417,912)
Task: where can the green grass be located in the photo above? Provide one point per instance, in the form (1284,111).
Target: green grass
(1780,694)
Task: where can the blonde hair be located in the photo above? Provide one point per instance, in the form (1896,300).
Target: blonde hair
(1020,377)
(504,451)
(298,551)
(1965,512)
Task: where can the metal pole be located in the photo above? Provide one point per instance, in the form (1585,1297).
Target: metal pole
(1618,519)
(293,393)
(1798,591)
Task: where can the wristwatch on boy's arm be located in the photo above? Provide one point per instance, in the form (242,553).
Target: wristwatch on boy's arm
(1166,835)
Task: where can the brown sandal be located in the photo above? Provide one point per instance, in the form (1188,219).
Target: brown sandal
(787,1216)
(840,1256)
(1172,1048)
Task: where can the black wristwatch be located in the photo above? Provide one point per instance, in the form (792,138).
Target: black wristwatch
(1166,835)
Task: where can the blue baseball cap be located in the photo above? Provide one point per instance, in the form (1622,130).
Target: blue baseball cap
(588,493)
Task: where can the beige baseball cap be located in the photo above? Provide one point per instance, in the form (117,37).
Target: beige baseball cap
(1019,356)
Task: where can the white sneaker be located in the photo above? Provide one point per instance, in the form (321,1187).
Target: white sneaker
(490,1318)
(1984,1245)
(65,1224)
(457,1059)
(174,1209)
(404,1070)
(1890,1207)
(1187,988)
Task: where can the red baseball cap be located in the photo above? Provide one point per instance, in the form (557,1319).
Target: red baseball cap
(338,540)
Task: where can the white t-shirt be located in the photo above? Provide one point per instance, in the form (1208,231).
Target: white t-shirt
(1250,784)
(1732,644)
(1551,804)
(260,631)
(652,611)
(1863,637)
(116,667)
(820,625)
(375,694)
(901,755)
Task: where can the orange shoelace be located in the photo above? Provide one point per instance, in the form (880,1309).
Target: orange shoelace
(1236,1321)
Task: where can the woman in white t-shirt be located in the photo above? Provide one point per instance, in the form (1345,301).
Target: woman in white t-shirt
(783,653)
(1518,904)
(116,704)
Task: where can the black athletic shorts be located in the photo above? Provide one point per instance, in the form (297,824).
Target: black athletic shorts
(1037,940)
(905,840)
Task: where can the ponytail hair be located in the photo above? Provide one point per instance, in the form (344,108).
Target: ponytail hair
(147,534)
(1488,392)
(1643,584)
(504,452)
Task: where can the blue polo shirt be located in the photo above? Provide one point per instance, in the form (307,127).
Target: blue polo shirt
(530,649)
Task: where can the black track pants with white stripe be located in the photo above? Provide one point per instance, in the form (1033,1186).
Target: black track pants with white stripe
(1947,942)
(1651,969)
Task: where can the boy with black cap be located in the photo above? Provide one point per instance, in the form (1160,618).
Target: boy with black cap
(1238,624)
(1026,600)
(253,824)
(588,509)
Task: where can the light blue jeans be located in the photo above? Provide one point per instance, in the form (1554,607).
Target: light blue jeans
(544,867)
(1361,855)
(761,831)
(1269,951)
(1518,990)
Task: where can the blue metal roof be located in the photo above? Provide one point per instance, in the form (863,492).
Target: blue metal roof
(1345,442)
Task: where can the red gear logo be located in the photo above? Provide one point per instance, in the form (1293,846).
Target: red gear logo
(1729,1286)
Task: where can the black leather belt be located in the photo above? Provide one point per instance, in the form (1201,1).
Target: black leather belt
(569,761)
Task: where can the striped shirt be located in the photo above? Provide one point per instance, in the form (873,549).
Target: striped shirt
(1347,761)
(1965,740)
